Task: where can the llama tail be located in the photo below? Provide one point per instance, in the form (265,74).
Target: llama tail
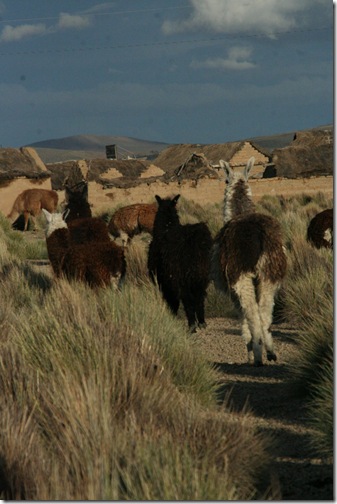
(13,214)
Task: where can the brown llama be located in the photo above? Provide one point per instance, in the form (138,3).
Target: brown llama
(249,261)
(179,260)
(131,220)
(30,203)
(97,263)
(320,229)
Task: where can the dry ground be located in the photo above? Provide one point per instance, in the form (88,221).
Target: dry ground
(267,393)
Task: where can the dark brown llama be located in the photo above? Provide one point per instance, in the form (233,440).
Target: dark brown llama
(77,201)
(131,220)
(179,260)
(249,261)
(98,263)
(320,229)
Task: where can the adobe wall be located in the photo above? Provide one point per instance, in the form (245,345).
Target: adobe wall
(205,191)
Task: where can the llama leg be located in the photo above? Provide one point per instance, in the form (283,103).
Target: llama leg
(200,307)
(26,218)
(247,337)
(125,238)
(171,299)
(190,311)
(245,290)
(266,305)
(191,305)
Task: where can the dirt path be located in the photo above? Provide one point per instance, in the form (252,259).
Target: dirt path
(267,392)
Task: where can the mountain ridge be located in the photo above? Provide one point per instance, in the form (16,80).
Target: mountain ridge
(93,146)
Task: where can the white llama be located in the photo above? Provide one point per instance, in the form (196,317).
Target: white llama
(249,260)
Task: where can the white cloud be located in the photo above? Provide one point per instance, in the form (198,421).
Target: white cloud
(76,21)
(248,16)
(237,60)
(13,34)
(66,21)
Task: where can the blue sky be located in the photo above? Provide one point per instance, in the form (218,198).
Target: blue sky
(183,71)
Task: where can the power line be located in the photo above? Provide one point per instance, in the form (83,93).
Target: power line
(89,14)
(155,44)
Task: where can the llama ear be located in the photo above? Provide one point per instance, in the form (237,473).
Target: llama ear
(175,199)
(249,166)
(47,214)
(229,172)
(158,198)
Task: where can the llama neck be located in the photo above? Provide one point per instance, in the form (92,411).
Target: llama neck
(238,200)
(164,222)
(54,225)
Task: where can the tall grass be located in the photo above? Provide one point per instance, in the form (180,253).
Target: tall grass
(308,303)
(105,396)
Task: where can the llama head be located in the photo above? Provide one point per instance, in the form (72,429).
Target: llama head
(167,212)
(238,194)
(172,201)
(233,176)
(54,221)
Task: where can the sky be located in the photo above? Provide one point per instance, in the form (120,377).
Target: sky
(183,71)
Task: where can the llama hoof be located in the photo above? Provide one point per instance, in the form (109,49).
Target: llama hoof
(271,356)
(193,328)
(203,325)
(258,363)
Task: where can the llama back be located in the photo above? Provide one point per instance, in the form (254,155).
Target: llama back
(133,219)
(249,243)
(95,263)
(146,216)
(124,219)
(180,266)
(32,200)
(88,229)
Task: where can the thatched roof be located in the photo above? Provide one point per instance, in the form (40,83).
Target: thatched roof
(108,172)
(23,162)
(173,157)
(194,167)
(310,154)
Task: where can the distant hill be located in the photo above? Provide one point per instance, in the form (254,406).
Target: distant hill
(93,146)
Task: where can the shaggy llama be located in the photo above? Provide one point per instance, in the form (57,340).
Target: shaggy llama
(98,263)
(131,220)
(30,203)
(249,260)
(320,229)
(179,260)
